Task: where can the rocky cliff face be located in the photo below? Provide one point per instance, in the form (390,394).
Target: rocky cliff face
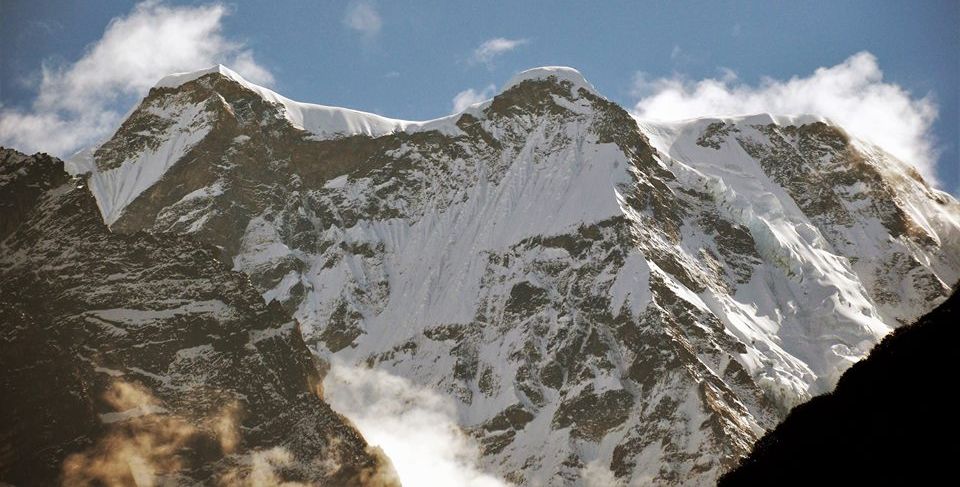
(591,291)
(138,358)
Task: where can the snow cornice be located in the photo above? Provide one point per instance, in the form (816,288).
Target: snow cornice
(560,73)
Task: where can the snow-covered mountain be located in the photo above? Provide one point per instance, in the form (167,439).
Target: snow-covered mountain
(591,290)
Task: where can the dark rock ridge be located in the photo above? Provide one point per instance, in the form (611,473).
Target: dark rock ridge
(891,411)
(23,187)
(141,358)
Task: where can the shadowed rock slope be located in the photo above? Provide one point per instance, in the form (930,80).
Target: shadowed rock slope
(890,409)
(143,359)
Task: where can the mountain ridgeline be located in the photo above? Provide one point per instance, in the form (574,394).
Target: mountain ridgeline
(590,291)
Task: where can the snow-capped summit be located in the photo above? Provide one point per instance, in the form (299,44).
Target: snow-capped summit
(561,73)
(174,80)
(586,288)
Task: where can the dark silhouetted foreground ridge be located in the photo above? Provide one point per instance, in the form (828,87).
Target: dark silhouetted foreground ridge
(888,421)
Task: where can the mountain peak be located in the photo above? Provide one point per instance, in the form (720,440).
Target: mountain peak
(563,275)
(321,121)
(561,73)
(174,80)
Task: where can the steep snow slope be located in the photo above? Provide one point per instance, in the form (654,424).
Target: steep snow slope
(592,293)
(863,209)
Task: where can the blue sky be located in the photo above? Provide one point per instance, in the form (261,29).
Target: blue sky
(412,59)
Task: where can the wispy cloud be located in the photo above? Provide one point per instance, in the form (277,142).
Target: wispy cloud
(491,48)
(470,96)
(415,426)
(675,53)
(78,103)
(853,94)
(680,57)
(363,17)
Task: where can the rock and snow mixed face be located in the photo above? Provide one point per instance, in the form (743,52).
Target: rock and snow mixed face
(142,359)
(591,291)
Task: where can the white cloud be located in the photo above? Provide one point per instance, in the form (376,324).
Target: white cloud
(596,474)
(852,94)
(363,17)
(470,96)
(492,48)
(415,426)
(78,103)
(245,65)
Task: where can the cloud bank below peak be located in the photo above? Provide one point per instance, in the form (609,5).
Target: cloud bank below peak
(79,103)
(853,94)
(415,426)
